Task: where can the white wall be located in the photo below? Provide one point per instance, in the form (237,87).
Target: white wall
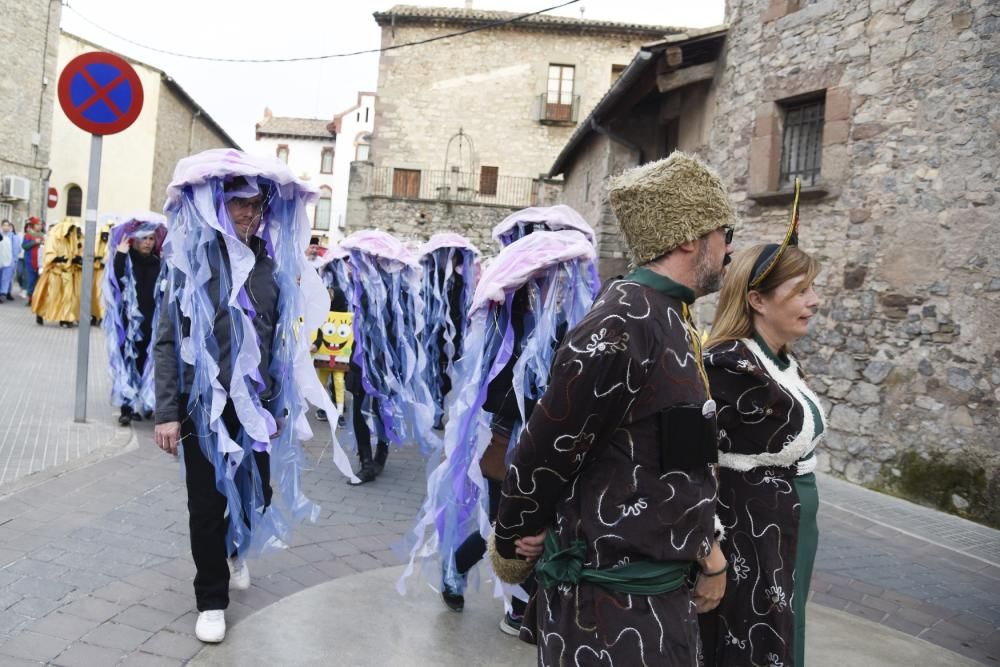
(127,157)
(354,123)
(304,156)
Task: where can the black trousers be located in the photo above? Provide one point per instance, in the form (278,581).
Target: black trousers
(472,550)
(363,434)
(207,519)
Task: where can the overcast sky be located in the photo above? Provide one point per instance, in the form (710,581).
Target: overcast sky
(236,94)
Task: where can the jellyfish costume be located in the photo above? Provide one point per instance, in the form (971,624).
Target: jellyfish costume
(540,218)
(131,368)
(388,317)
(209,271)
(333,269)
(557,270)
(450,266)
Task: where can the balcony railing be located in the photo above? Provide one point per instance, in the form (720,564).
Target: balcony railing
(453,186)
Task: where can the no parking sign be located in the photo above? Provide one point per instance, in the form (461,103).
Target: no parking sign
(101,94)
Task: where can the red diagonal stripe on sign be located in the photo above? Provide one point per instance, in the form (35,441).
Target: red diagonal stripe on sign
(101,92)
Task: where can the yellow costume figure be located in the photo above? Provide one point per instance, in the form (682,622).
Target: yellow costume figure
(332,353)
(57,294)
(101,258)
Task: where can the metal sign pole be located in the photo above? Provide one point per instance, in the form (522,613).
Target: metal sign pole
(87,281)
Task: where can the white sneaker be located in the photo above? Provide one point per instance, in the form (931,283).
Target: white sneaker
(239,574)
(211,626)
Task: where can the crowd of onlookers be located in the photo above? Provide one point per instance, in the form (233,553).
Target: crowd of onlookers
(20,257)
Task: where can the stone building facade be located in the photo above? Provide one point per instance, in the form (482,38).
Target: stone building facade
(468,124)
(138,163)
(29,43)
(897,101)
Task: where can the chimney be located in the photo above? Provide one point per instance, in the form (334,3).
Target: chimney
(267,113)
(468,4)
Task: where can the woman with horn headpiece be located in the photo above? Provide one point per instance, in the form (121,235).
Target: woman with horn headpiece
(769,425)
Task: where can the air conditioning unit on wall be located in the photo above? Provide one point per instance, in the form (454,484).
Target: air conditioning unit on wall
(16,187)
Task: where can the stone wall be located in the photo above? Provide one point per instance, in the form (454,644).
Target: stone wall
(181,131)
(486,83)
(29,45)
(905,350)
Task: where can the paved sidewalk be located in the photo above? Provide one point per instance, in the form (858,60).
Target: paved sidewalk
(37,395)
(95,567)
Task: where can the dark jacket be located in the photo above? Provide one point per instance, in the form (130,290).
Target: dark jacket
(263,293)
(146,271)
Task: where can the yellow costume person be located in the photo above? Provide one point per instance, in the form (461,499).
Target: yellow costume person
(101,258)
(57,294)
(332,352)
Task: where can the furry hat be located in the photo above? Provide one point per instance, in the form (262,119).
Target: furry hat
(662,204)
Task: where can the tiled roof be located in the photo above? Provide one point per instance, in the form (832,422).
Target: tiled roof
(311,128)
(459,16)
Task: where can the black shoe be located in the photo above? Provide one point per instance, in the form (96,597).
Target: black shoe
(39,321)
(453,598)
(341,422)
(136,417)
(510,625)
(365,474)
(381,454)
(64,323)
(321,415)
(124,419)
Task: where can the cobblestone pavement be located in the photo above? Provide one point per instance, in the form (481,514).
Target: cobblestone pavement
(38,371)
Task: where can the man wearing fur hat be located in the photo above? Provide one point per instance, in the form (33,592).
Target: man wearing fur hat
(610,497)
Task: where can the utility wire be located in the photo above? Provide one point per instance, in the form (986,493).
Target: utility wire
(329,56)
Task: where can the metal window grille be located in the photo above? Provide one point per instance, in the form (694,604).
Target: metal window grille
(801,143)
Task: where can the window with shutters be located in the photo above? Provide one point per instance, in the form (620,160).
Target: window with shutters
(324,208)
(326,161)
(406,183)
(559,94)
(488,178)
(74,201)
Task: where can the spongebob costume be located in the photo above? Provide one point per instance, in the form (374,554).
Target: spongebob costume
(333,343)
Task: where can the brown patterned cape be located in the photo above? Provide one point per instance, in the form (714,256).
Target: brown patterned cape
(596,462)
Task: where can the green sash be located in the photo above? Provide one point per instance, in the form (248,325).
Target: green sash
(565,566)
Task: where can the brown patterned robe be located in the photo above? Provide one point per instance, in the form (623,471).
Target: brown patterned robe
(767,430)
(618,454)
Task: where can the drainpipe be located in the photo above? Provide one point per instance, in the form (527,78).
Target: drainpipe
(194,118)
(617,138)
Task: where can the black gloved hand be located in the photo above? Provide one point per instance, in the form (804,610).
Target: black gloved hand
(59,260)
(78,260)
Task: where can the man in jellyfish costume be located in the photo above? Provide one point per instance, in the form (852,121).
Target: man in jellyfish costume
(233,371)
(388,365)
(450,264)
(528,296)
(131,295)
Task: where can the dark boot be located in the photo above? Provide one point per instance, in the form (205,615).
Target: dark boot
(126,416)
(365,474)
